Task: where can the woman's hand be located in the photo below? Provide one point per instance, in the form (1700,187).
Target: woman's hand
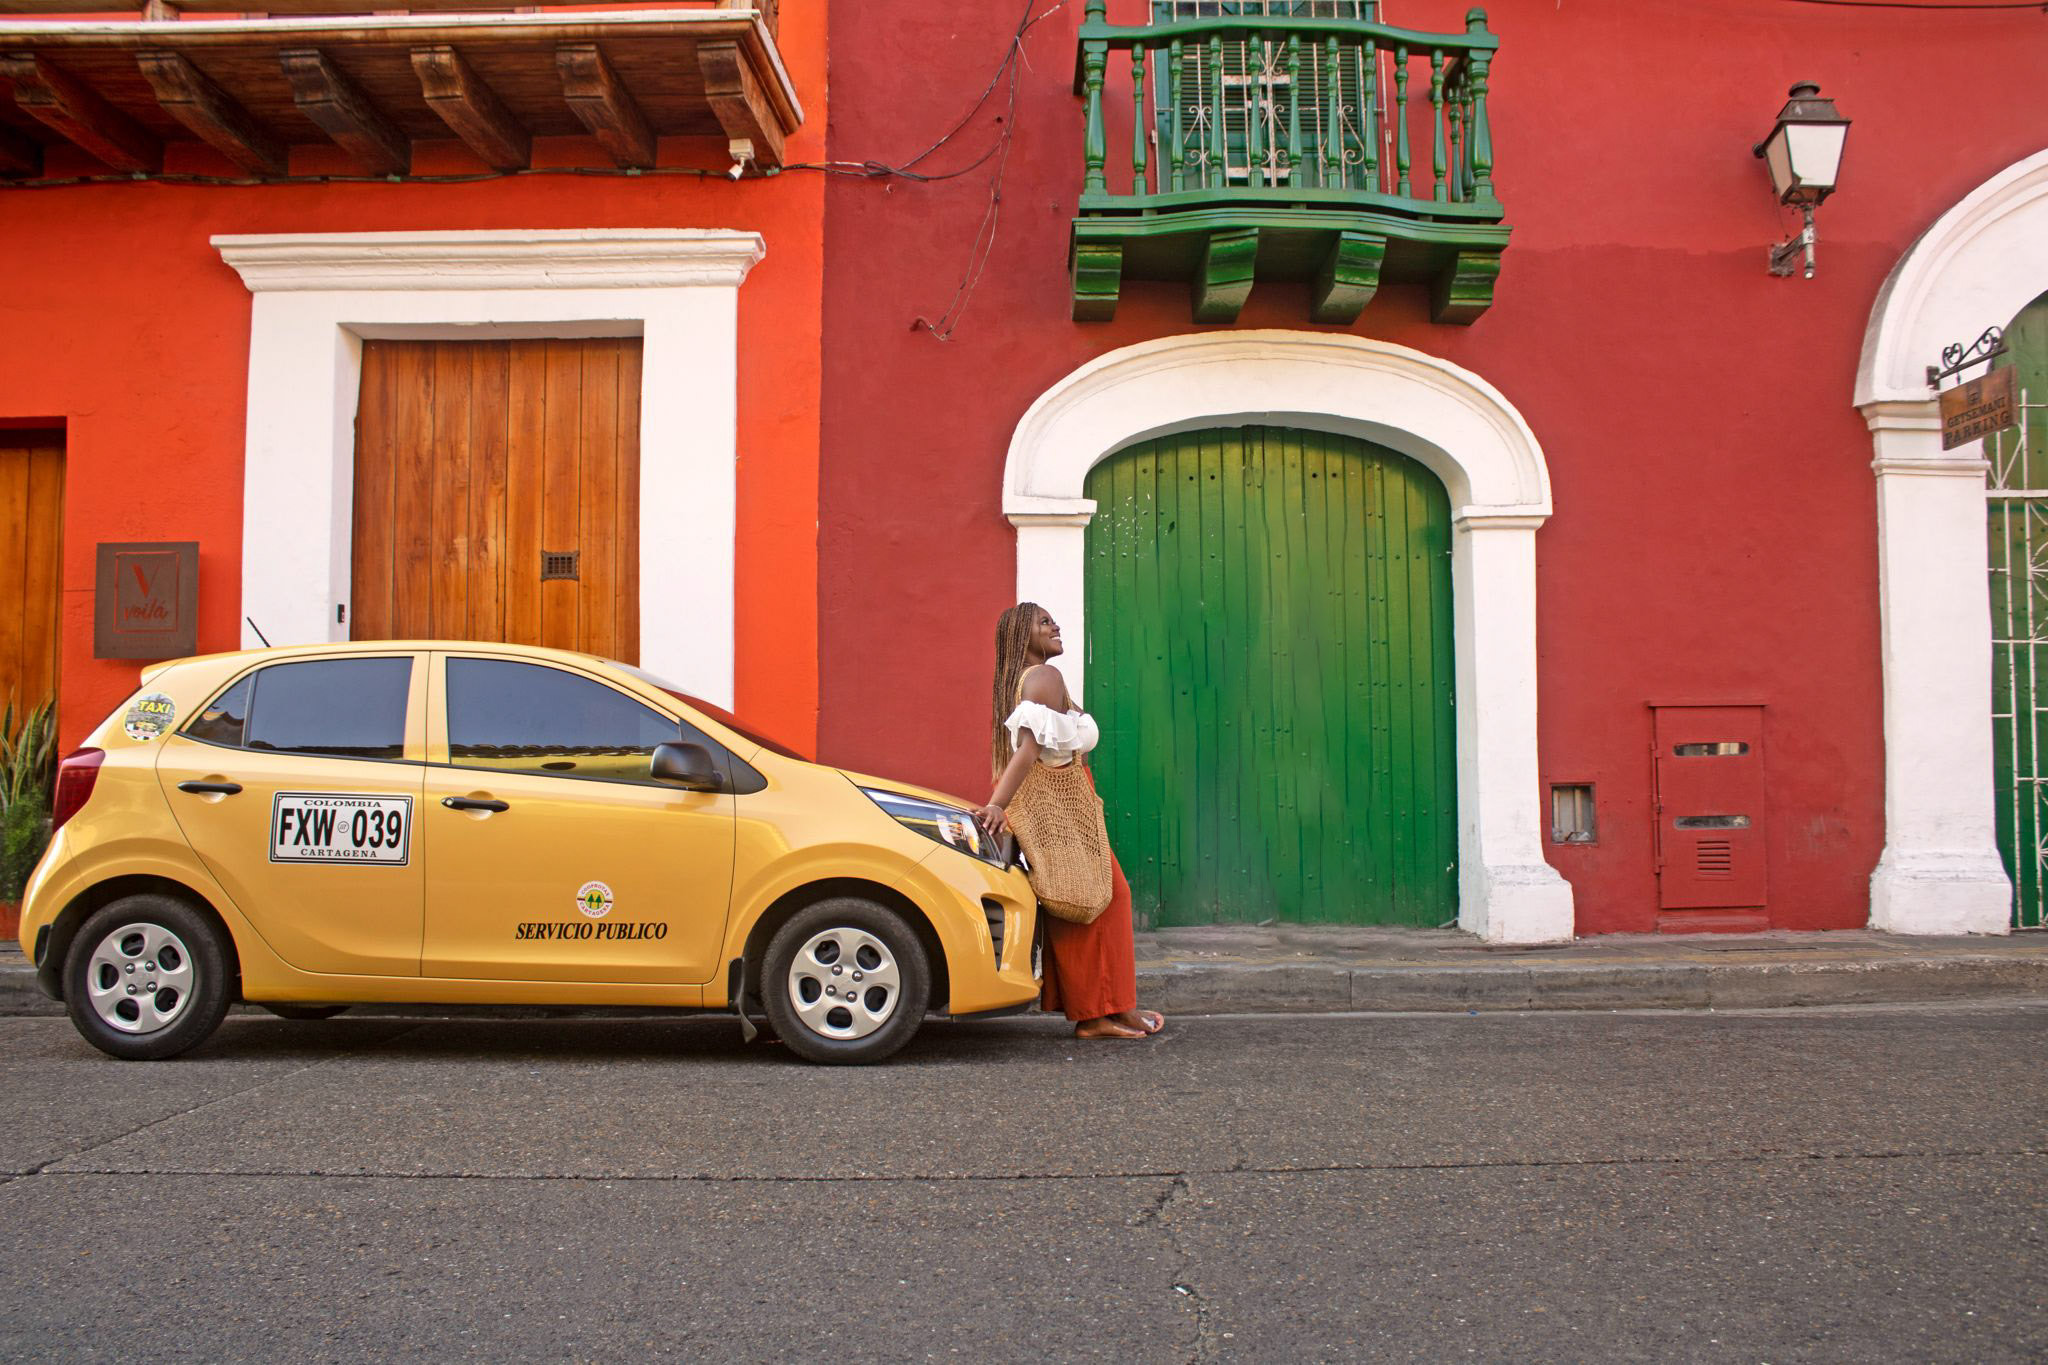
(992,819)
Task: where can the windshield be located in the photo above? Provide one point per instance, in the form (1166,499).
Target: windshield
(717,713)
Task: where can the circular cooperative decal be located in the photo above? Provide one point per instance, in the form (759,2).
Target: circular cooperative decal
(149,717)
(594,899)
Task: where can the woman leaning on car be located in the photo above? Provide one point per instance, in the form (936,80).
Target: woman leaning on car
(1090,969)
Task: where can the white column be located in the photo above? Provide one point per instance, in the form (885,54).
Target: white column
(689,498)
(1051,558)
(298,482)
(1507,893)
(1940,872)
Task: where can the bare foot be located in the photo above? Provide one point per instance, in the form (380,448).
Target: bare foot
(1145,1021)
(1108,1026)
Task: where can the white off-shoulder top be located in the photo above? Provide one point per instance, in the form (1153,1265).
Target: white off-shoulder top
(1062,735)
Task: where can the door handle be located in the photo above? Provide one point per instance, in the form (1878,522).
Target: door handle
(472,803)
(210,788)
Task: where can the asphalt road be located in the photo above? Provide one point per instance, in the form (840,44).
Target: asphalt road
(1862,1184)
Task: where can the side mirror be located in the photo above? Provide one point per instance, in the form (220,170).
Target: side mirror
(687,765)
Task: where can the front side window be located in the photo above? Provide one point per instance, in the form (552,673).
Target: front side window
(520,717)
(341,708)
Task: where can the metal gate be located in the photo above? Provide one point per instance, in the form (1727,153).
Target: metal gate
(2018,554)
(1270,657)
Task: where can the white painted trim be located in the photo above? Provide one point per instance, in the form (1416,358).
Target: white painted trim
(318,295)
(1450,420)
(1979,265)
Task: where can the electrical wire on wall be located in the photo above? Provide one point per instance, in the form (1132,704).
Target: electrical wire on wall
(1012,67)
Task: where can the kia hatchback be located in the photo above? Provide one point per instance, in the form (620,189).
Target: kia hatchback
(450,823)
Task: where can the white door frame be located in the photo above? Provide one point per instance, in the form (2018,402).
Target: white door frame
(1450,420)
(1979,265)
(318,296)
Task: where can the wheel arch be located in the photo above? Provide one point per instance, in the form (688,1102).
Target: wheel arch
(64,928)
(780,911)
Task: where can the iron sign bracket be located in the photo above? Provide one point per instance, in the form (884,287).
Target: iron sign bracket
(1956,357)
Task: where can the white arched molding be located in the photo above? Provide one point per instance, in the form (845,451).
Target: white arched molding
(1450,420)
(1981,263)
(318,296)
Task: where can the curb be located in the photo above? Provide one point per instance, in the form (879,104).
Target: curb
(1292,989)
(1316,988)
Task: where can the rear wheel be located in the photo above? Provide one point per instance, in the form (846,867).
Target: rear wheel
(146,977)
(845,981)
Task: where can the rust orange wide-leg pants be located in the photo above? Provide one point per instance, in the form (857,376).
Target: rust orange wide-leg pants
(1092,969)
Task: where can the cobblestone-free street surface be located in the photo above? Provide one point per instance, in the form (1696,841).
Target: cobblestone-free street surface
(1857,1184)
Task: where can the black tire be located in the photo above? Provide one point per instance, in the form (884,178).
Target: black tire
(302,1011)
(850,946)
(148,941)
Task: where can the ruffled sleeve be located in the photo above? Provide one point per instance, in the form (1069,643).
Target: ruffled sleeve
(1053,729)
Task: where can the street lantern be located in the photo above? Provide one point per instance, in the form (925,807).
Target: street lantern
(1804,156)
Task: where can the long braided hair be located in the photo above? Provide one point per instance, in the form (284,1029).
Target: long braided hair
(1013,634)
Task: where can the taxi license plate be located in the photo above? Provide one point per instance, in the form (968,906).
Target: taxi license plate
(325,827)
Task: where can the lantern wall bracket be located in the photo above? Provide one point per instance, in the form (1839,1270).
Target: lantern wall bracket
(1786,257)
(1956,357)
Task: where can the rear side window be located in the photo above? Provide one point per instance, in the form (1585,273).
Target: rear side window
(221,720)
(341,708)
(520,717)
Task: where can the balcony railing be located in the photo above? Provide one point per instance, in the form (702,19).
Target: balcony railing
(1285,139)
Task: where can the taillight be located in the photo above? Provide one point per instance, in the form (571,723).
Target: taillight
(76,774)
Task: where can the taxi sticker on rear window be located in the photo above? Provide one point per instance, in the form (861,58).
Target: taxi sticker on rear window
(151,716)
(323,827)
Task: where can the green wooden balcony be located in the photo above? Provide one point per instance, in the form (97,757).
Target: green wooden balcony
(1285,140)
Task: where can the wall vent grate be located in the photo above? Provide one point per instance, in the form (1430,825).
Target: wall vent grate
(558,564)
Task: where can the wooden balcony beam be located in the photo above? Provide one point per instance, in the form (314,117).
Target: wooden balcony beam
(601,101)
(738,101)
(338,106)
(471,109)
(58,99)
(20,154)
(191,97)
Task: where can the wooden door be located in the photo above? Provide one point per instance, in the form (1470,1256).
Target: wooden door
(478,460)
(1270,658)
(2017,504)
(31,537)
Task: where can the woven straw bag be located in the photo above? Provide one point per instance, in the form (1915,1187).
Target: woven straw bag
(1058,820)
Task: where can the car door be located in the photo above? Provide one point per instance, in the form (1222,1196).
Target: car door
(298,786)
(551,853)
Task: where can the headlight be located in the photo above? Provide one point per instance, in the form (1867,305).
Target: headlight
(948,825)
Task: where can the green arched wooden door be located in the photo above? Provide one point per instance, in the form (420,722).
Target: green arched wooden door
(2018,559)
(1270,658)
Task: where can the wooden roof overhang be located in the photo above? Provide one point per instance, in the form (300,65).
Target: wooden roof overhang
(373,84)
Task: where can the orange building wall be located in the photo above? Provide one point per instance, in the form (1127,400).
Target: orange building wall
(119,322)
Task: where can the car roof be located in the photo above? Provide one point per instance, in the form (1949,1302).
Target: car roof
(537,652)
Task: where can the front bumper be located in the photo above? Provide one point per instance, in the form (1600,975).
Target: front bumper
(987,921)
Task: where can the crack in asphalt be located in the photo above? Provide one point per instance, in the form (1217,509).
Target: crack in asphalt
(43,1168)
(1010,1177)
(1021,1177)
(1159,1214)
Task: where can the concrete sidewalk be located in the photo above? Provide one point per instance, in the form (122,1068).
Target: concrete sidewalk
(1294,969)
(1298,968)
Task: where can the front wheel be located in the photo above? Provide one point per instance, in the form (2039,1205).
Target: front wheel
(147,977)
(845,981)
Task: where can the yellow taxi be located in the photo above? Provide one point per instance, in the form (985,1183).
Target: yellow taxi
(474,824)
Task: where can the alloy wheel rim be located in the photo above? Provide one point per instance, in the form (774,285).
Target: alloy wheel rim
(843,983)
(140,979)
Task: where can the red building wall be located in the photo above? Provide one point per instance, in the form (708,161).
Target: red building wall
(119,322)
(1714,535)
